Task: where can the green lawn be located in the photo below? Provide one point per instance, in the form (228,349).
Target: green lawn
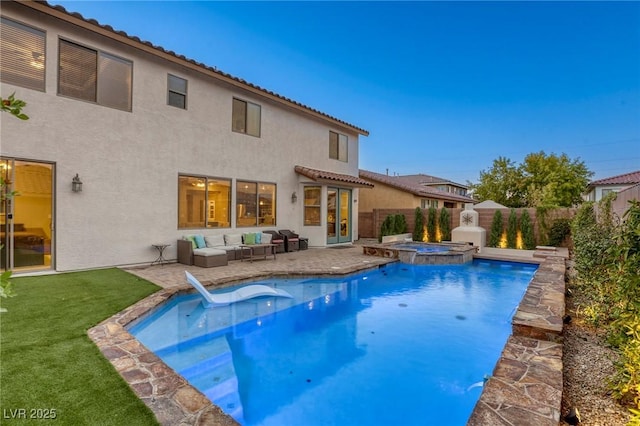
(47,362)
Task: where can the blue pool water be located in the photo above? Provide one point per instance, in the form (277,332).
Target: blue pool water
(404,344)
(424,248)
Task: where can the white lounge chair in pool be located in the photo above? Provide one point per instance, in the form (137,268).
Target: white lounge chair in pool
(243,293)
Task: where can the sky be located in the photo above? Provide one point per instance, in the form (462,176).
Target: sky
(443,88)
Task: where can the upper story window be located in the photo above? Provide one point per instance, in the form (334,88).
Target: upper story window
(338,146)
(94,76)
(22,60)
(245,117)
(177,91)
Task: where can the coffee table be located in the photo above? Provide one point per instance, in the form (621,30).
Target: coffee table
(265,250)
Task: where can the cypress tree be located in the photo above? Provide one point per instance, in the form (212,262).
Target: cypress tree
(418,230)
(400,224)
(445,225)
(496,229)
(526,227)
(512,229)
(432,226)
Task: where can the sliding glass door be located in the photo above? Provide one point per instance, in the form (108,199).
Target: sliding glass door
(338,215)
(26,217)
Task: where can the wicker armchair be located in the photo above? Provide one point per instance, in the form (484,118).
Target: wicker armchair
(291,240)
(278,239)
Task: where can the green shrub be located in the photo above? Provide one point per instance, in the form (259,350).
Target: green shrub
(400,224)
(526,227)
(512,229)
(432,225)
(418,230)
(626,382)
(542,217)
(444,222)
(393,224)
(607,261)
(496,230)
(591,240)
(559,232)
(387,226)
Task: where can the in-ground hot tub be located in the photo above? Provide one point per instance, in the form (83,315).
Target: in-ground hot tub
(418,253)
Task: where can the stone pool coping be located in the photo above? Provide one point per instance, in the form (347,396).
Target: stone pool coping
(525,388)
(458,253)
(526,385)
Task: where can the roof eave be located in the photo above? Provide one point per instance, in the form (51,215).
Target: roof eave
(91,25)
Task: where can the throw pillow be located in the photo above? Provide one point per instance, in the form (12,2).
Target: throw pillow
(191,238)
(258,237)
(249,238)
(266,238)
(199,239)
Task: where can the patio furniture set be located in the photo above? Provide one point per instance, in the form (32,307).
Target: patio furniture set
(217,250)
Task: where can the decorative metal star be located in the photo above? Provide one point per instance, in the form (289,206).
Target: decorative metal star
(467,219)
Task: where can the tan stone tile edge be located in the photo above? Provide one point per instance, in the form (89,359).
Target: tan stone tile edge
(526,385)
(171,398)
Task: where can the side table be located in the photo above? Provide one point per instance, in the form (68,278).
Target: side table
(160,247)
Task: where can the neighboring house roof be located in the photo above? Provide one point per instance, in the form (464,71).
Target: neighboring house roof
(624,179)
(418,185)
(108,31)
(489,204)
(328,177)
(428,180)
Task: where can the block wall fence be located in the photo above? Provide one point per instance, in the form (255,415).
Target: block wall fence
(370,222)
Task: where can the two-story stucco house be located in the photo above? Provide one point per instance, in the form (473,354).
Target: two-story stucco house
(162,146)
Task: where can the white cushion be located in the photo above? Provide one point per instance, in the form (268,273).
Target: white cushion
(214,240)
(266,238)
(208,252)
(226,248)
(232,239)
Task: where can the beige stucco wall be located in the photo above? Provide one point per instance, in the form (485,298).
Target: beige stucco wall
(386,197)
(129,161)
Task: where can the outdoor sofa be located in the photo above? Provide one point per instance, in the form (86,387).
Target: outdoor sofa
(217,250)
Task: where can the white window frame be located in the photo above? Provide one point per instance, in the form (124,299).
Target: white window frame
(252,114)
(176,91)
(340,151)
(100,76)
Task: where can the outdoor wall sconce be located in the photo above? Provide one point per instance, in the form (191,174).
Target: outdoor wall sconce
(294,197)
(76,184)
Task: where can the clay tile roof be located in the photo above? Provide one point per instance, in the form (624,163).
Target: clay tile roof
(625,179)
(426,180)
(415,184)
(321,175)
(160,50)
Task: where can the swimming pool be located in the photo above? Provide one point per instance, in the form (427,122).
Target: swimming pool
(405,344)
(423,247)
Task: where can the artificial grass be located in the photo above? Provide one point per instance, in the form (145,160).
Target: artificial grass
(48,362)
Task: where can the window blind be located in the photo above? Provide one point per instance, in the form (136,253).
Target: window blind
(22,58)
